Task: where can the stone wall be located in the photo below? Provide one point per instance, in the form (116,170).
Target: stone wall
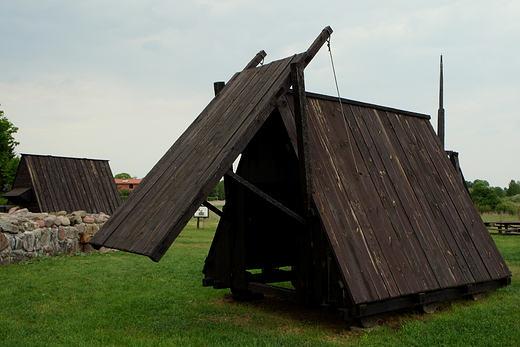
(25,235)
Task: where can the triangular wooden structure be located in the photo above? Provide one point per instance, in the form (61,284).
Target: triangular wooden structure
(358,205)
(45,183)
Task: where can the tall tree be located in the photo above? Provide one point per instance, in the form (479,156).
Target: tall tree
(484,197)
(513,189)
(8,159)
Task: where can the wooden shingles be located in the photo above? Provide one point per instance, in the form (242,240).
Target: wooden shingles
(68,184)
(163,203)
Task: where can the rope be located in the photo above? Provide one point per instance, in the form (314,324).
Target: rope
(341,105)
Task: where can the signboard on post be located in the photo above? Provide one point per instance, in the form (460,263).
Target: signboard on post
(203,213)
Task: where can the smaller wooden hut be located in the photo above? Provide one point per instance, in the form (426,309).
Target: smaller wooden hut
(45,183)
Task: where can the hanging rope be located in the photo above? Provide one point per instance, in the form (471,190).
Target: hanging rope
(341,105)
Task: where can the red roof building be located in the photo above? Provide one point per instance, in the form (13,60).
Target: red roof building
(127,183)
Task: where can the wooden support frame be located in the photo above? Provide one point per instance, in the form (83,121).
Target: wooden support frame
(214,209)
(266,289)
(306,288)
(265,196)
(421,299)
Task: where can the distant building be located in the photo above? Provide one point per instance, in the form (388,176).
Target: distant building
(46,183)
(127,183)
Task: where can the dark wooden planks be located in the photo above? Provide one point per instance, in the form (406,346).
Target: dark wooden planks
(186,174)
(256,107)
(432,197)
(374,233)
(392,206)
(70,184)
(397,208)
(430,226)
(468,230)
(337,212)
(218,150)
(188,171)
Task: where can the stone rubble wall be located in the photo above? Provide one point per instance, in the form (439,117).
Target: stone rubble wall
(25,235)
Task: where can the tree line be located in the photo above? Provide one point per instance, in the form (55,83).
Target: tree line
(495,199)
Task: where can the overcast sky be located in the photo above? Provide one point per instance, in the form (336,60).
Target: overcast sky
(121,80)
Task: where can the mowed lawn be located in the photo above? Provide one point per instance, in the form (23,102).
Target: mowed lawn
(122,299)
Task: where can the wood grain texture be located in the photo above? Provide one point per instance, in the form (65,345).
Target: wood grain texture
(392,205)
(163,203)
(68,184)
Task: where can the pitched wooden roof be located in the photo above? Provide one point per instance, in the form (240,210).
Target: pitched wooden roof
(159,208)
(396,212)
(61,183)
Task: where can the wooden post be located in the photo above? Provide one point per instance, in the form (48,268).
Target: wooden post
(218,86)
(302,134)
(256,60)
(306,288)
(316,45)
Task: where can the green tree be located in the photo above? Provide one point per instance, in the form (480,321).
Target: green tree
(513,188)
(8,159)
(124,193)
(507,207)
(499,192)
(9,172)
(218,193)
(123,175)
(486,183)
(484,197)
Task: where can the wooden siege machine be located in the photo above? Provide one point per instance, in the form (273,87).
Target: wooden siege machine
(356,204)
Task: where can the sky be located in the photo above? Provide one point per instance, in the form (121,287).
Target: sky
(122,80)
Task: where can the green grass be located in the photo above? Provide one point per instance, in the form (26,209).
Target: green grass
(122,299)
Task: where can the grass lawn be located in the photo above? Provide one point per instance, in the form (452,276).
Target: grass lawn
(121,299)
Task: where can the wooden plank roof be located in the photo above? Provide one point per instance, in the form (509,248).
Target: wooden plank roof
(159,208)
(69,184)
(395,211)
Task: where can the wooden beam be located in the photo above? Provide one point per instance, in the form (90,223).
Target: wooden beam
(302,134)
(256,60)
(218,86)
(316,45)
(213,209)
(266,289)
(308,287)
(265,196)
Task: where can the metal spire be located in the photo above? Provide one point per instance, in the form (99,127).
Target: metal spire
(441,114)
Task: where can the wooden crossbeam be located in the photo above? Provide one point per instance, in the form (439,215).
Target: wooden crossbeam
(213,209)
(265,196)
